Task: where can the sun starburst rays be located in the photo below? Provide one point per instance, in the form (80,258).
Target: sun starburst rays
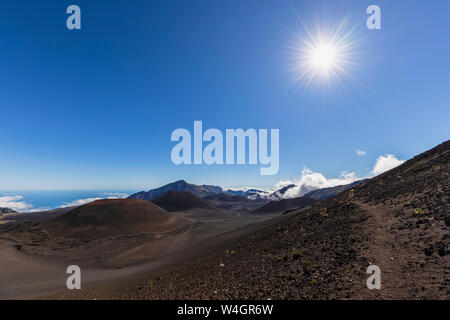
(324,55)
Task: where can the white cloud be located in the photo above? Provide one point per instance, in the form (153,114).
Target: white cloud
(385,163)
(253,192)
(116,195)
(360,152)
(245,189)
(79,202)
(108,195)
(15,203)
(40,209)
(310,181)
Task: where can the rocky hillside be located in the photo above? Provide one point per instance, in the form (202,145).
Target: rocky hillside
(284,205)
(398,221)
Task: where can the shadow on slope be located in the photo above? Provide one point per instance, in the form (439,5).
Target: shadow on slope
(181,201)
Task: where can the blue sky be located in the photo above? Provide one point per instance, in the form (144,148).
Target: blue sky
(95,108)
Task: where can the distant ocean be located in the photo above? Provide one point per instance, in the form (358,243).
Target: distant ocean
(24,201)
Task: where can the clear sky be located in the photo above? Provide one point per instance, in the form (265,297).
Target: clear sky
(95,108)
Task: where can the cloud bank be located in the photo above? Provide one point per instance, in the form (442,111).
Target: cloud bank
(107,195)
(116,195)
(310,180)
(15,203)
(79,202)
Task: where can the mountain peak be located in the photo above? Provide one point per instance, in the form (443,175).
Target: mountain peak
(179,185)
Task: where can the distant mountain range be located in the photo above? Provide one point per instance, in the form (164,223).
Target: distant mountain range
(180,185)
(6,211)
(201,191)
(208,191)
(253,194)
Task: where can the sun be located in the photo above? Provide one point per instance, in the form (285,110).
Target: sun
(324,55)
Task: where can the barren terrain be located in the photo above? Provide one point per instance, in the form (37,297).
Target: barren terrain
(398,221)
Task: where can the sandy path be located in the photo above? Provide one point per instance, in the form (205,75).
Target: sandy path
(383,252)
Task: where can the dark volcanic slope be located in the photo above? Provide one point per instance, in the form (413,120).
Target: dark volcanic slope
(284,205)
(226,197)
(181,201)
(104,218)
(181,185)
(398,221)
(325,193)
(232,202)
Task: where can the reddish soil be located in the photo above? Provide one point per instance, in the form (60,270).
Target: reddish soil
(104,218)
